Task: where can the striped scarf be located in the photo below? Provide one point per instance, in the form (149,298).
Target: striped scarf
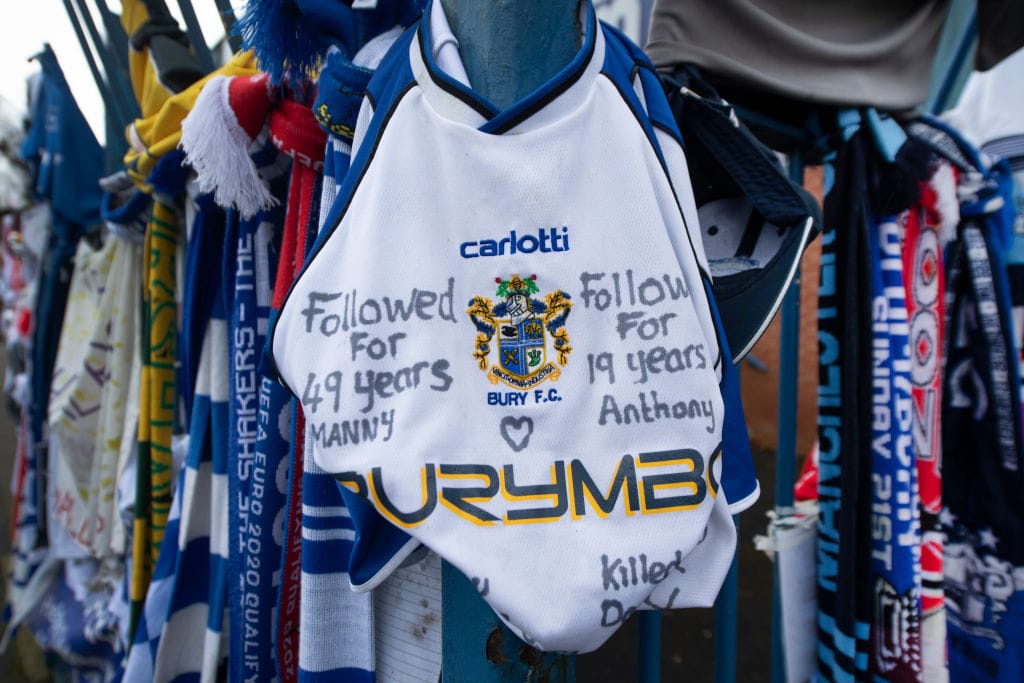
(329,606)
(193,640)
(142,655)
(377,622)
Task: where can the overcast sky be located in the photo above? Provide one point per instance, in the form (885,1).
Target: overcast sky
(24,30)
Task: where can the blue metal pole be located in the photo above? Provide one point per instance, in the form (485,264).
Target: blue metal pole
(476,646)
(508,50)
(195,36)
(116,83)
(726,612)
(649,646)
(117,44)
(785,463)
(227,19)
(115,33)
(957,63)
(101,82)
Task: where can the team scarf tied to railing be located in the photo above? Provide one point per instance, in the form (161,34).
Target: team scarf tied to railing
(919,372)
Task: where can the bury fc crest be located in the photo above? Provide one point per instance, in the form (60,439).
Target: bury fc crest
(530,333)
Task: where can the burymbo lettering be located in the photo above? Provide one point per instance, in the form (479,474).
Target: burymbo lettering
(668,481)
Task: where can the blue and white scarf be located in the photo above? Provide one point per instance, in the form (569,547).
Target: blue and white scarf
(895,653)
(142,656)
(258,454)
(192,640)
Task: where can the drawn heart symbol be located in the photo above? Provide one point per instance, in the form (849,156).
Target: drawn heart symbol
(516,431)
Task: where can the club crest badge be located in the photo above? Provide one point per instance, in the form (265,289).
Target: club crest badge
(528,331)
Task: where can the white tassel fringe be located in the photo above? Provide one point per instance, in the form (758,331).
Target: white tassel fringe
(217,148)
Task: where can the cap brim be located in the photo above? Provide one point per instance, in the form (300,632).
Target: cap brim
(747,302)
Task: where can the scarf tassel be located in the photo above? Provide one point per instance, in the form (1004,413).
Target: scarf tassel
(218,149)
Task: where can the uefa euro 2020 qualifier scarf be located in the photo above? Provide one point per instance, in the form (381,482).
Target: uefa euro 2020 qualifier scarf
(647,522)
(258,457)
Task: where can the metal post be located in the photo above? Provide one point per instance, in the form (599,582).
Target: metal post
(785,464)
(116,83)
(227,18)
(117,43)
(476,646)
(943,98)
(195,36)
(508,49)
(101,83)
(649,646)
(726,611)
(115,33)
